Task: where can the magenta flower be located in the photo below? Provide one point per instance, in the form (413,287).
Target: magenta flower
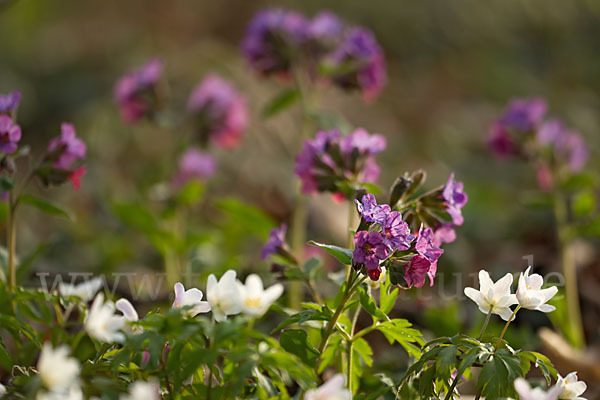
(275,242)
(455,199)
(444,234)
(273,39)
(325,26)
(369,249)
(371,211)
(219,110)
(416,270)
(9,103)
(396,233)
(358,63)
(134,92)
(64,159)
(10,134)
(425,245)
(67,148)
(194,164)
(330,160)
(521,118)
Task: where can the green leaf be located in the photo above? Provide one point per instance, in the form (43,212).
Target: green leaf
(280,102)
(387,297)
(398,330)
(43,205)
(540,361)
(296,342)
(584,203)
(191,192)
(494,379)
(324,314)
(362,348)
(332,352)
(368,303)
(342,254)
(446,361)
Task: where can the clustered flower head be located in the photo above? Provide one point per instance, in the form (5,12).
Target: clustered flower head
(9,103)
(339,164)
(523,131)
(278,41)
(64,159)
(219,111)
(194,164)
(10,135)
(135,92)
(384,239)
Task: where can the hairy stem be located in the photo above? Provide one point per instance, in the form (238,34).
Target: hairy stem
(11,241)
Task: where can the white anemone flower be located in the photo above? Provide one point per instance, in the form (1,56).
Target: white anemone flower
(531,295)
(102,323)
(57,370)
(527,393)
(333,389)
(129,313)
(493,297)
(141,390)
(223,296)
(85,290)
(2,390)
(71,393)
(191,297)
(570,387)
(254,299)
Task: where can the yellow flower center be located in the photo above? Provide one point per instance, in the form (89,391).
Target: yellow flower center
(252,302)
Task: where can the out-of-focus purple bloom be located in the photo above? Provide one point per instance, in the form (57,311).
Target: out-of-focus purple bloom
(331,159)
(396,233)
(371,211)
(10,102)
(416,270)
(455,199)
(425,245)
(521,118)
(134,91)
(67,148)
(324,33)
(64,159)
(10,134)
(369,249)
(568,146)
(523,115)
(194,164)
(275,242)
(273,39)
(358,63)
(444,234)
(220,111)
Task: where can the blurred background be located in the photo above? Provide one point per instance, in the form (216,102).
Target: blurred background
(452,67)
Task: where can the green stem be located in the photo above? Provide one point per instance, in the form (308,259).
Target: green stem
(11,241)
(350,350)
(348,290)
(512,317)
(485,324)
(569,271)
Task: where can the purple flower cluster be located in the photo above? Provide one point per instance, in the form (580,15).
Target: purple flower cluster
(219,111)
(194,164)
(331,162)
(279,40)
(523,130)
(9,103)
(273,39)
(358,63)
(64,159)
(135,91)
(10,134)
(393,237)
(455,199)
